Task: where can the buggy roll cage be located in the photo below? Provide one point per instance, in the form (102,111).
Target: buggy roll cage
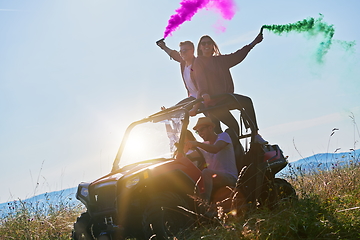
(227,100)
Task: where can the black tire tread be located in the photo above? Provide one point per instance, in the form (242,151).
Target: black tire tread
(81,229)
(153,215)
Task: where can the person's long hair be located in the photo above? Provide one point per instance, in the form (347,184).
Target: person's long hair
(216,48)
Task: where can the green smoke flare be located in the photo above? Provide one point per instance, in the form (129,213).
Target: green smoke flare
(312,27)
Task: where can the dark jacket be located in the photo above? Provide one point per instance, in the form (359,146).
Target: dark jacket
(212,74)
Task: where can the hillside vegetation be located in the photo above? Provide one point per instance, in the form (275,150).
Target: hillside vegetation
(328,207)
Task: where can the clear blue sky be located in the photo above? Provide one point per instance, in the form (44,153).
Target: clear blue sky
(75,73)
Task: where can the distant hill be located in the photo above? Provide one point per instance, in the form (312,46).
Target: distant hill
(322,161)
(42,201)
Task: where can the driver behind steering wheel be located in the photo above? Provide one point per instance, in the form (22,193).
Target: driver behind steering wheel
(219,155)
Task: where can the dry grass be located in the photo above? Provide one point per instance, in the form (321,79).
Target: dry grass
(328,208)
(27,220)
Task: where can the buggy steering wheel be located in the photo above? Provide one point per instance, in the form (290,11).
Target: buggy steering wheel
(201,163)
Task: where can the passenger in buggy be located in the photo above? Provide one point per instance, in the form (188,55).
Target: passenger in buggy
(213,77)
(219,156)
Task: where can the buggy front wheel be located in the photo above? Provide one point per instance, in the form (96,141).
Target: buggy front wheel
(166,217)
(82,227)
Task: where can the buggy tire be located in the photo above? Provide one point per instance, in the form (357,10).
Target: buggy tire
(82,227)
(284,190)
(164,219)
(276,191)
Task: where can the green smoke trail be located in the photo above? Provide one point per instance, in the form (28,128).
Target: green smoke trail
(313,27)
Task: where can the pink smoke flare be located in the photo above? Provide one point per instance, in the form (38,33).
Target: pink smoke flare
(226,8)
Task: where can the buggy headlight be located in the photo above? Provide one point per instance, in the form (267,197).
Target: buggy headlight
(132,182)
(84,192)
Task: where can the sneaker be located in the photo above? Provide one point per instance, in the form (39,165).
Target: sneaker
(260,140)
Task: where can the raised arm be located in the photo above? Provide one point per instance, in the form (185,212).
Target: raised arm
(237,57)
(172,53)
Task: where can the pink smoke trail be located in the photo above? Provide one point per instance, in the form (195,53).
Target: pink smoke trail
(227,8)
(188,9)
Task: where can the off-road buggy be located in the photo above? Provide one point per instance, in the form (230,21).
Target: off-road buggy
(151,192)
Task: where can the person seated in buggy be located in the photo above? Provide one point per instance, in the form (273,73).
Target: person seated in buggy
(230,165)
(213,77)
(218,153)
